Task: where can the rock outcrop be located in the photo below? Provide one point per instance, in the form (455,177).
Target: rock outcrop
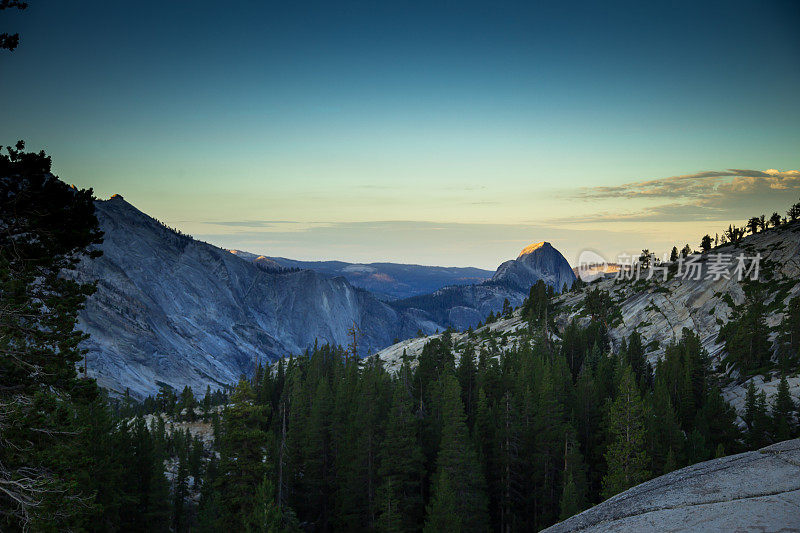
(539,261)
(173,310)
(461,307)
(660,310)
(753,491)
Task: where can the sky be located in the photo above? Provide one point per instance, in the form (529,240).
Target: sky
(446,133)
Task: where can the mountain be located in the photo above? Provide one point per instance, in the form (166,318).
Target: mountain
(536,262)
(660,310)
(388,281)
(461,307)
(170,309)
(173,310)
(752,491)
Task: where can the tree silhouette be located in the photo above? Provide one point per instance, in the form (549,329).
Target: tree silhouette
(753,224)
(705,243)
(10,41)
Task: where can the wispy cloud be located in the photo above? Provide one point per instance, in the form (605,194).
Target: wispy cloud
(717,195)
(700,185)
(251,223)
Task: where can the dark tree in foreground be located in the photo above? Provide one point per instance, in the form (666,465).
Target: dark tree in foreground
(10,41)
(46,227)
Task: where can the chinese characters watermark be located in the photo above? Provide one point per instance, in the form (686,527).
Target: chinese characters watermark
(696,267)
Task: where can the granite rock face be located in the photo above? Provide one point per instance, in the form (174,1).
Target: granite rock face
(170,309)
(461,307)
(173,310)
(753,491)
(539,261)
(660,310)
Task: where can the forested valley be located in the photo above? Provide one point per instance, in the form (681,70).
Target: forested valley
(499,438)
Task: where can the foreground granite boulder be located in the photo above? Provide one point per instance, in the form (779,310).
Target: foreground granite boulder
(753,491)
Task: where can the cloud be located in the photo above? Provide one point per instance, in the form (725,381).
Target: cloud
(717,195)
(701,186)
(251,223)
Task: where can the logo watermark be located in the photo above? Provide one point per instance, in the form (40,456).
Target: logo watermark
(696,267)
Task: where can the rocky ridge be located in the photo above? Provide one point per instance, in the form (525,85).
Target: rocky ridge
(660,310)
(752,491)
(171,310)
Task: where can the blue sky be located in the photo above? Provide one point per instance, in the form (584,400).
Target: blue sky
(446,133)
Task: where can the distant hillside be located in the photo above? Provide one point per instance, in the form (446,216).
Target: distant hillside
(173,310)
(461,307)
(388,281)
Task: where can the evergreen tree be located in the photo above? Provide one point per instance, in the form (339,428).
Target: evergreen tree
(756,418)
(705,243)
(716,421)
(265,516)
(746,335)
(188,403)
(401,470)
(783,412)
(573,495)
(149,508)
(48,227)
(243,457)
(790,334)
(459,488)
(180,491)
(664,435)
(467,378)
(444,511)
(626,456)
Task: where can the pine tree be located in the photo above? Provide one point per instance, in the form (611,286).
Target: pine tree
(144,468)
(401,470)
(188,403)
(244,460)
(574,492)
(48,227)
(207,403)
(783,412)
(663,431)
(467,378)
(756,418)
(444,511)
(673,256)
(626,456)
(265,516)
(716,421)
(459,488)
(746,337)
(180,491)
